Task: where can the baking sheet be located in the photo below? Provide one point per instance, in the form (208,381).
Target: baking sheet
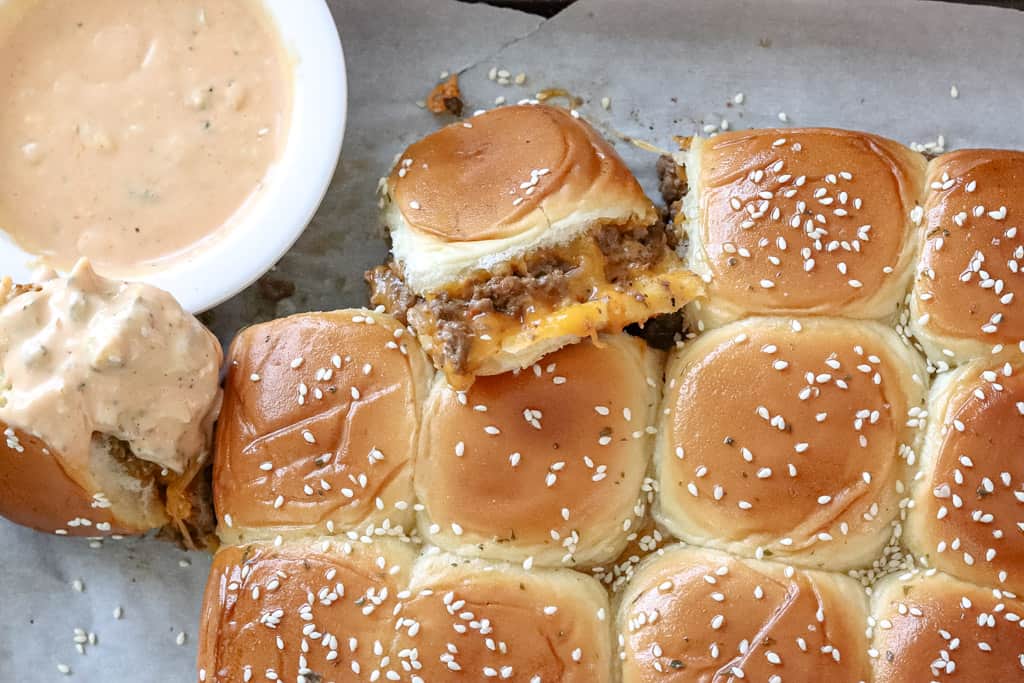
(666,68)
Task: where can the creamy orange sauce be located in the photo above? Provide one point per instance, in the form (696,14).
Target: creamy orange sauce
(82,354)
(133,132)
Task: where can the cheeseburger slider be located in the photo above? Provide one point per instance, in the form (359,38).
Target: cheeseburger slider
(517,232)
(790,439)
(968,513)
(308,611)
(556,455)
(812,221)
(964,300)
(319,427)
(315,611)
(927,626)
(470,620)
(108,397)
(691,614)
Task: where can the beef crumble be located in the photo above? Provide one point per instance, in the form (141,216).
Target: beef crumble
(627,251)
(672,187)
(548,277)
(387,289)
(197,531)
(661,331)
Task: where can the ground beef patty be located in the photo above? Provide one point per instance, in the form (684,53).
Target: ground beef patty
(672,187)
(627,251)
(546,277)
(388,289)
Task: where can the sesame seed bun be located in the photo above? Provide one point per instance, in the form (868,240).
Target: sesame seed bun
(517,232)
(967,518)
(473,620)
(699,615)
(963,302)
(455,202)
(790,439)
(319,425)
(932,627)
(546,463)
(800,221)
(310,610)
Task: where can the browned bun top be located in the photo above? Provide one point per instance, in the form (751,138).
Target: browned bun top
(470,621)
(483,178)
(320,419)
(935,628)
(973,248)
(777,432)
(806,218)
(36,492)
(700,615)
(304,612)
(972,502)
(549,457)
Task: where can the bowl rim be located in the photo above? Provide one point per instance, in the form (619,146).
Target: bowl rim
(288,196)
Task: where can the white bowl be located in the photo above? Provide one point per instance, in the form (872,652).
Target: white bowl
(293,188)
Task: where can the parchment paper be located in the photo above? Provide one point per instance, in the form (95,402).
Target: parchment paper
(666,68)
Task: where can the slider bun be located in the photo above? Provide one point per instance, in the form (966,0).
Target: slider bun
(932,627)
(691,614)
(542,463)
(969,262)
(735,232)
(310,610)
(967,517)
(104,497)
(455,203)
(334,457)
(789,443)
(472,620)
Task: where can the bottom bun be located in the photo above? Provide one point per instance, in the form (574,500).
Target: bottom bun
(117,494)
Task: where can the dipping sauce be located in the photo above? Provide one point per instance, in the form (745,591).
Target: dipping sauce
(133,131)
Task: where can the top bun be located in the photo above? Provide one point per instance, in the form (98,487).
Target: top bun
(811,221)
(509,181)
(963,304)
